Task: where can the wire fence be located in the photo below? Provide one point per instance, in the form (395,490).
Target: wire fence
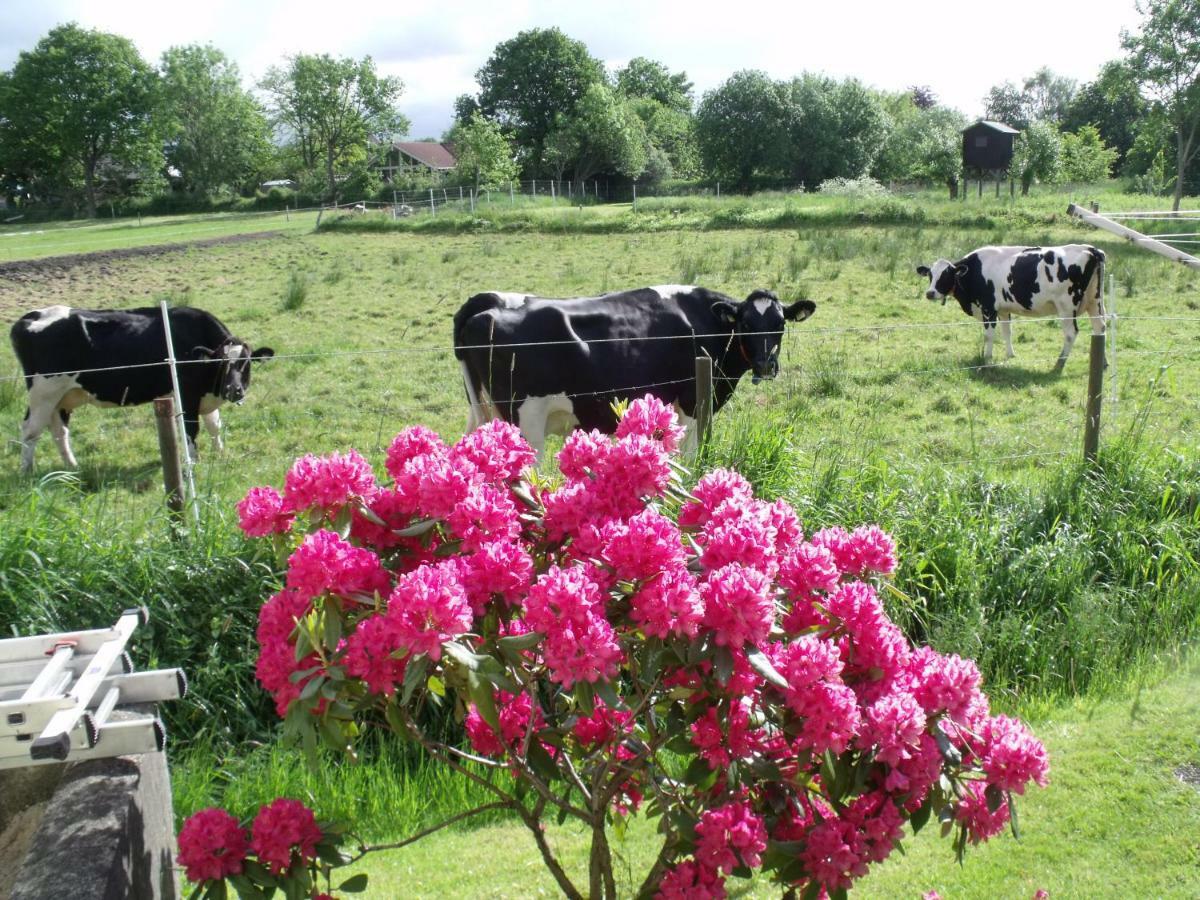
(834,380)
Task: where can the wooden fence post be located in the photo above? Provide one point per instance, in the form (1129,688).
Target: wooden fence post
(1091,424)
(704,401)
(168,449)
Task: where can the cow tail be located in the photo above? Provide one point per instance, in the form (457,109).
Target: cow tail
(472,383)
(1098,256)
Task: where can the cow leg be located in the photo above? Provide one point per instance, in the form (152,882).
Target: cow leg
(691,436)
(212,424)
(59,420)
(44,397)
(1070,332)
(1006,328)
(989,335)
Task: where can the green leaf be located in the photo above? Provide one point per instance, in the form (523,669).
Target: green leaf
(604,690)
(414,675)
(463,656)
(520,641)
(484,700)
(918,819)
(1012,816)
(723,664)
(700,775)
(436,685)
(812,892)
(416,529)
(585,697)
(762,665)
(994,797)
(246,889)
(355,885)
(341,522)
(542,763)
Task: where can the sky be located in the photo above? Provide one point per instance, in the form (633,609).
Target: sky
(959,49)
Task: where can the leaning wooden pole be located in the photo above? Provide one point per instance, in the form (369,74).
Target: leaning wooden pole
(1134,237)
(168,448)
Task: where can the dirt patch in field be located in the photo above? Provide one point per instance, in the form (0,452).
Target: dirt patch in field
(1189,773)
(26,270)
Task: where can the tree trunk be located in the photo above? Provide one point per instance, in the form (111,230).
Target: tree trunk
(89,185)
(952,184)
(329,172)
(1180,168)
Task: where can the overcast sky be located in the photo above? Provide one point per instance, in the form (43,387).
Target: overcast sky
(959,49)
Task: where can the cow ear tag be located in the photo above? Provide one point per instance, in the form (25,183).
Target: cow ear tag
(725,311)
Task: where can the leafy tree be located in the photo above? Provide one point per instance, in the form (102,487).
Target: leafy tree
(531,79)
(1007,104)
(332,107)
(922,96)
(940,142)
(645,78)
(741,128)
(899,152)
(1113,103)
(216,134)
(1085,158)
(1165,55)
(1036,156)
(484,154)
(79,98)
(672,133)
(609,135)
(1048,96)
(835,128)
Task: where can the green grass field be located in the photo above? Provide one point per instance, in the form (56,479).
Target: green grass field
(1063,583)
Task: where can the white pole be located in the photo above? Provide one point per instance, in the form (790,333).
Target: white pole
(189,461)
(1134,237)
(432,205)
(552,197)
(511,201)
(1112,343)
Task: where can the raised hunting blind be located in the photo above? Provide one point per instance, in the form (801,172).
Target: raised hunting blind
(988,146)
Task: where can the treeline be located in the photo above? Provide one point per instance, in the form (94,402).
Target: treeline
(84,119)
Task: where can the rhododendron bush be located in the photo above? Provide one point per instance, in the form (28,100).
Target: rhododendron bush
(619,645)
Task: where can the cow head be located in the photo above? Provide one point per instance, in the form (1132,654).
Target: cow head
(232,379)
(757,324)
(942,276)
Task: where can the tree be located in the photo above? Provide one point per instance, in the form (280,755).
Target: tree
(741,128)
(1006,104)
(1085,158)
(1114,104)
(608,135)
(672,132)
(332,107)
(1036,156)
(484,154)
(530,80)
(923,96)
(1165,55)
(79,99)
(216,134)
(1048,96)
(835,129)
(645,78)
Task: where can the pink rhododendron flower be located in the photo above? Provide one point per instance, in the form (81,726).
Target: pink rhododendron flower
(894,723)
(261,513)
(371,652)
(879,822)
(807,569)
(738,605)
(830,714)
(282,828)
(445,483)
(583,453)
(513,714)
(944,683)
(643,546)
(327,482)
(484,515)
(835,853)
(496,449)
(325,562)
(650,417)
(561,595)
(668,605)
(585,650)
(395,509)
(496,569)
(713,489)
(746,537)
(412,443)
(212,845)
(1012,756)
(730,835)
(720,740)
(635,468)
(602,726)
(972,811)
(691,881)
(429,607)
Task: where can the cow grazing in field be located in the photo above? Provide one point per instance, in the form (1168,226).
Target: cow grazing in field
(73,357)
(994,283)
(549,365)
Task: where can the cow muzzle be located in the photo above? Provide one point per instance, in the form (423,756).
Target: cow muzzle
(765,371)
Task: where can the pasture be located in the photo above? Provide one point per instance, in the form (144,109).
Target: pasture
(1061,580)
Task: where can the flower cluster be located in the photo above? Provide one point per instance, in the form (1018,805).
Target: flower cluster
(579,626)
(284,839)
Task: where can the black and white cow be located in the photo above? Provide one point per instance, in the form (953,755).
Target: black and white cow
(549,365)
(994,283)
(73,357)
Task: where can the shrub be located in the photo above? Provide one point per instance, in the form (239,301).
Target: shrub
(615,643)
(863,188)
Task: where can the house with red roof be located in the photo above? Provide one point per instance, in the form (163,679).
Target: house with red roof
(418,158)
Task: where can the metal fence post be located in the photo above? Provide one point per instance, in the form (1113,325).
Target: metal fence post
(704,401)
(168,449)
(1095,394)
(178,400)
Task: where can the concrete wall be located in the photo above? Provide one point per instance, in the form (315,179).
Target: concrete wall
(106,830)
